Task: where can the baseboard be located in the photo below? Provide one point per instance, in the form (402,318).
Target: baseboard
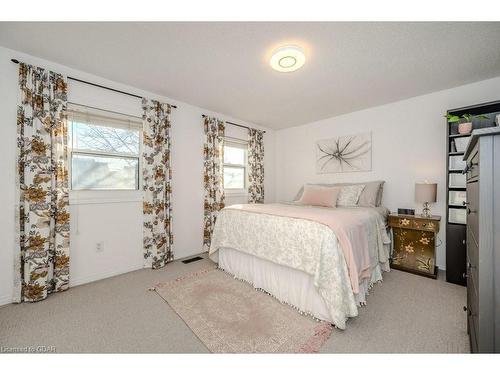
(5,299)
(101,275)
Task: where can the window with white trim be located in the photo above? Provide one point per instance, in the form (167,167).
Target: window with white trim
(104,150)
(235,165)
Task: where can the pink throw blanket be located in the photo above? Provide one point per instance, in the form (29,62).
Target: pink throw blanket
(346,223)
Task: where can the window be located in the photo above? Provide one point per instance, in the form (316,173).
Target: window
(104,150)
(235,165)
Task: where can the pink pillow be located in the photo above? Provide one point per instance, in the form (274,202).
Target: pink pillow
(314,195)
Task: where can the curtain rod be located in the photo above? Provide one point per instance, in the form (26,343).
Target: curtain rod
(241,126)
(101,86)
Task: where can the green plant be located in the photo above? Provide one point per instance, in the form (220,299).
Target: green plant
(466,116)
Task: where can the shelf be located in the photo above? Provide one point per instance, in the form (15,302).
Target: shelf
(457,188)
(455,171)
(458,135)
(456,153)
(452,222)
(458,206)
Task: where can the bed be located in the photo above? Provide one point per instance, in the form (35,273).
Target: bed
(322,261)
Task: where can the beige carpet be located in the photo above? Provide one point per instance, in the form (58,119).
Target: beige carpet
(230,316)
(405,314)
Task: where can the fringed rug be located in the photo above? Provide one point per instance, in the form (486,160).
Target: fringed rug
(230,316)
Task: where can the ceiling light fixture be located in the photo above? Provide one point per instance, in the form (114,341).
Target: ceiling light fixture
(287,59)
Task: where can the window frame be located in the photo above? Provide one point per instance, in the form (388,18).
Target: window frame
(72,151)
(242,144)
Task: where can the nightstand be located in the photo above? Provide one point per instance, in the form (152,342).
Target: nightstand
(414,244)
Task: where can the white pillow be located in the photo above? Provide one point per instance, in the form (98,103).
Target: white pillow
(349,195)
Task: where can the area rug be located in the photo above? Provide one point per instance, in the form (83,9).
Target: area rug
(230,316)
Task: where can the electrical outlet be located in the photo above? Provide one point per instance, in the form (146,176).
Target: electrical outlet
(99,248)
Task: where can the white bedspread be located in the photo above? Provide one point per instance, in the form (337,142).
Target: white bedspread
(305,245)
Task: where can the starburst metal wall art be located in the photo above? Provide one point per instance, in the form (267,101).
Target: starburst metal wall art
(352,153)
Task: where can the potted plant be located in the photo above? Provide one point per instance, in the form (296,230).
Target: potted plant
(464,121)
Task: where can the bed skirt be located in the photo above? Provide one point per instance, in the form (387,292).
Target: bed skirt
(286,284)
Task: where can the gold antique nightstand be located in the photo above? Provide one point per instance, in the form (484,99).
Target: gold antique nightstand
(414,243)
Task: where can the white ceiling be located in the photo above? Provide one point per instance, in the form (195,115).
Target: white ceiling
(224,66)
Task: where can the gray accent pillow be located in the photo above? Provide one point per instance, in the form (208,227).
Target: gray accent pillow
(371,196)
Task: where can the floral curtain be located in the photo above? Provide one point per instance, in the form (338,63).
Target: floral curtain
(255,166)
(42,257)
(213,176)
(157,176)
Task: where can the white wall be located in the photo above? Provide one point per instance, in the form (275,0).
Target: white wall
(113,219)
(409,145)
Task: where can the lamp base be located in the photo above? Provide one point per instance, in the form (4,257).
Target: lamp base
(426,211)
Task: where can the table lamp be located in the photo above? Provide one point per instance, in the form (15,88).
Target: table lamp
(425,193)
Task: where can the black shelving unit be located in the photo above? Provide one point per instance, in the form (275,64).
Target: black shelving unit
(456,194)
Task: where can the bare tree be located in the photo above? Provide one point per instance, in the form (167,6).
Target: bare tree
(107,139)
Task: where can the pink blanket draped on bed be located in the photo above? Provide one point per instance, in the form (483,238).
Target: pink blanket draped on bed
(346,223)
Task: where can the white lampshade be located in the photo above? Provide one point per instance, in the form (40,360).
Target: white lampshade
(425,193)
